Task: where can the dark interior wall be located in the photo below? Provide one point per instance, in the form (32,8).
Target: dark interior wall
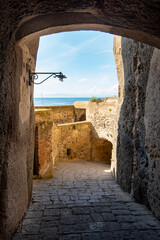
(139,126)
(133,165)
(126,19)
(16,132)
(16,106)
(152,137)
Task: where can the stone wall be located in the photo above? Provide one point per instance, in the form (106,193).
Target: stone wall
(152,132)
(102,116)
(80,104)
(132,174)
(44,156)
(138,126)
(16,137)
(60,137)
(56,114)
(73,141)
(120,74)
(47,119)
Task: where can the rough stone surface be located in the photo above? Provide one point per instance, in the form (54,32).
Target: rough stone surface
(73,141)
(152,125)
(128,20)
(120,74)
(55,114)
(102,116)
(134,161)
(44,149)
(83,201)
(132,174)
(16,137)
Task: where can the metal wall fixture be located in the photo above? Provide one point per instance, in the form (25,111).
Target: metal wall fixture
(33,76)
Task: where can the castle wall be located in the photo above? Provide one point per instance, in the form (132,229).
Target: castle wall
(138,125)
(61,137)
(102,117)
(73,141)
(47,119)
(56,114)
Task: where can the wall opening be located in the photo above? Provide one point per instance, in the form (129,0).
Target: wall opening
(86,58)
(102,150)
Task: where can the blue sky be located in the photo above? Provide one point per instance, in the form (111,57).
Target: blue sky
(85,57)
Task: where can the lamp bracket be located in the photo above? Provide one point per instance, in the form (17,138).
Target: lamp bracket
(34,76)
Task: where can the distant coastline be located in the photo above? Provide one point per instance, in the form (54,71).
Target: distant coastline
(58,101)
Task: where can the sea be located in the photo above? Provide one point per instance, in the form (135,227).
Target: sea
(57,101)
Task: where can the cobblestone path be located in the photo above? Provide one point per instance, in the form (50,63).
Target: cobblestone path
(83,202)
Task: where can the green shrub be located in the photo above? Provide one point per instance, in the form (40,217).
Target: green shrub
(95,99)
(74,127)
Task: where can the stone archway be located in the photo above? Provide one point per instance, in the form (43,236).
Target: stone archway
(19,20)
(39,25)
(101,150)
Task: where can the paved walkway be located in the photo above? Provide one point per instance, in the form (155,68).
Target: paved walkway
(82,202)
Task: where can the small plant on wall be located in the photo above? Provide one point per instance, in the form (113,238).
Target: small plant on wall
(95,99)
(74,127)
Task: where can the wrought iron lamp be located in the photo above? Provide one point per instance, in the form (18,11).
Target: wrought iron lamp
(34,76)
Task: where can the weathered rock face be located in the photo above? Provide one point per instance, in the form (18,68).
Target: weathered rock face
(152,136)
(17,139)
(120,72)
(138,128)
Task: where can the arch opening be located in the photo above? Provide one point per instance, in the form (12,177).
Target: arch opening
(20,117)
(87,60)
(102,150)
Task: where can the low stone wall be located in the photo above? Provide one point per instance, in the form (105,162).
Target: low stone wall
(43,149)
(56,114)
(81,104)
(73,141)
